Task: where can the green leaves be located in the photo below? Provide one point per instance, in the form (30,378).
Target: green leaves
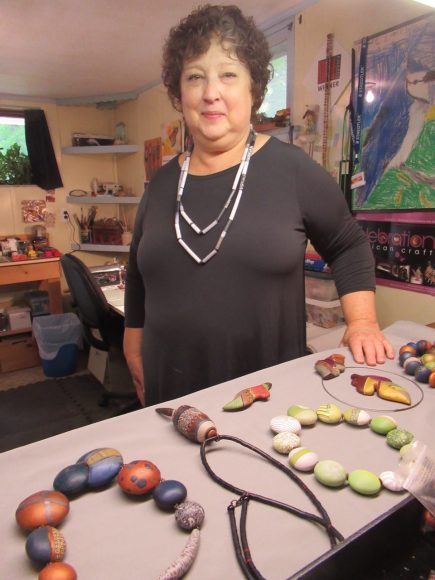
(14,166)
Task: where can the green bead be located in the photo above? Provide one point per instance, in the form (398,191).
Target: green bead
(397,438)
(304,415)
(382,424)
(329,413)
(330,473)
(364,482)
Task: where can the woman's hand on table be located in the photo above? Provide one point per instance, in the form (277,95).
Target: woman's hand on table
(133,356)
(363,335)
(367,343)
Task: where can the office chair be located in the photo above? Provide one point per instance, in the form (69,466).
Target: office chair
(102,327)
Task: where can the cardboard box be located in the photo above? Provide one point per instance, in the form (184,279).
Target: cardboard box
(18,352)
(19,317)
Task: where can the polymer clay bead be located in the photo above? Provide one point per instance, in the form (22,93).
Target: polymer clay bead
(246,397)
(139,477)
(364,482)
(285,441)
(397,438)
(382,424)
(41,509)
(329,413)
(330,473)
(303,459)
(282,423)
(45,544)
(104,465)
(57,571)
(391,481)
(189,515)
(72,479)
(190,422)
(168,493)
(355,416)
(304,415)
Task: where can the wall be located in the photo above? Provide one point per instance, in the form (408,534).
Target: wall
(349,21)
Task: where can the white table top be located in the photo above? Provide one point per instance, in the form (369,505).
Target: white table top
(111,537)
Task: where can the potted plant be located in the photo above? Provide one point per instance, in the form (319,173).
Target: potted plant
(14,166)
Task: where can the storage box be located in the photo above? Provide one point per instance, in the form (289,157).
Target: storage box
(38,301)
(319,286)
(19,317)
(18,352)
(107,232)
(87,139)
(324,313)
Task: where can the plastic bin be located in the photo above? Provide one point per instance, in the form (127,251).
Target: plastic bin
(324,313)
(38,302)
(59,338)
(319,286)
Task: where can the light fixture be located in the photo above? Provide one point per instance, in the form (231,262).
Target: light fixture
(370,95)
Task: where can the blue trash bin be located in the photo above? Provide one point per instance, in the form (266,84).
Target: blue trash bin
(59,339)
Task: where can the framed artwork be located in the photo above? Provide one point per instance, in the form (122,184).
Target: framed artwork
(403,248)
(171,140)
(394,119)
(153,157)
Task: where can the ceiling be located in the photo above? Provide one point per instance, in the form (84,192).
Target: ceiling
(68,49)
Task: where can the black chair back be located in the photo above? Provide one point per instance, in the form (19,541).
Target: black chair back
(90,302)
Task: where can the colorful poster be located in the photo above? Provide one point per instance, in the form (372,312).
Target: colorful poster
(395,118)
(153,157)
(404,251)
(171,140)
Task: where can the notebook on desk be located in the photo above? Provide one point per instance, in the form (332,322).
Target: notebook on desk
(115,297)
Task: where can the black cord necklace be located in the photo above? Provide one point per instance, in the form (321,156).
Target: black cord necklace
(241,545)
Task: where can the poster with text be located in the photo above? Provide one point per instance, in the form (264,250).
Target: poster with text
(395,119)
(403,251)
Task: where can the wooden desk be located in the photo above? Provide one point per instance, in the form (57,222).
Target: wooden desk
(46,271)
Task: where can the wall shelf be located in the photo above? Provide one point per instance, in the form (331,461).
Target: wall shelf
(102,199)
(100,248)
(99,149)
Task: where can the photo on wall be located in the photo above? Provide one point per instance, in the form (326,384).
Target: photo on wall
(394,119)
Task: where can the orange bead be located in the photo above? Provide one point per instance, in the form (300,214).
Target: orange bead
(431,380)
(408,348)
(57,571)
(41,509)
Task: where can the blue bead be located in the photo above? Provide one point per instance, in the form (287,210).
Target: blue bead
(169,493)
(403,357)
(104,464)
(412,367)
(72,479)
(422,374)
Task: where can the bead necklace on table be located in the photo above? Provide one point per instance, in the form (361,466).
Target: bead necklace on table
(328,472)
(418,360)
(238,185)
(42,511)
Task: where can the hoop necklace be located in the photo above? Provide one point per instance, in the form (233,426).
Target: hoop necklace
(238,185)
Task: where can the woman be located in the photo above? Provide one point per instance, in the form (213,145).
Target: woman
(221,293)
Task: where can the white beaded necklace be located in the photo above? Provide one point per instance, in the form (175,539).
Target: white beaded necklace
(238,185)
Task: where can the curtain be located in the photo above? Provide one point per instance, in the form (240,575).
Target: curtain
(45,172)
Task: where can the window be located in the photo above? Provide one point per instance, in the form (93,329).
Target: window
(280,38)
(14,162)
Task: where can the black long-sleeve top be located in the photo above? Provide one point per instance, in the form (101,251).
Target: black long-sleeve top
(245,309)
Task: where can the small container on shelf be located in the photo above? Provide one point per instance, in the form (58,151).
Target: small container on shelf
(324,313)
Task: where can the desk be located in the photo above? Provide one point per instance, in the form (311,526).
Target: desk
(135,536)
(46,271)
(115,297)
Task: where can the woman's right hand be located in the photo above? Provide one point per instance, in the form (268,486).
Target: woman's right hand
(133,356)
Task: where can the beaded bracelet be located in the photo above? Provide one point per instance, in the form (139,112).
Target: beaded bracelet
(331,473)
(42,511)
(418,360)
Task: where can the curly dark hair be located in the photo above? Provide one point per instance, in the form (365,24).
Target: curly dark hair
(192,36)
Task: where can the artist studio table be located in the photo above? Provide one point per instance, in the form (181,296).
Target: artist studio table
(111,536)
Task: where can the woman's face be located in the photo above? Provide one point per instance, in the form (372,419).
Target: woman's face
(216,97)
